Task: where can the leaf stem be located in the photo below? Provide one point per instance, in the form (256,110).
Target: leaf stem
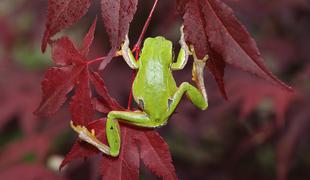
(136,49)
(96,60)
(146,25)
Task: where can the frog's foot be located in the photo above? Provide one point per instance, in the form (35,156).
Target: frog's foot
(198,70)
(124,47)
(90,137)
(118,53)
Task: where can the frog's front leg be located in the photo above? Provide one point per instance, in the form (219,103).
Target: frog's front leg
(128,56)
(183,54)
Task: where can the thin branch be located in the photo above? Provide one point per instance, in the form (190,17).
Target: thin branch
(96,60)
(146,25)
(137,49)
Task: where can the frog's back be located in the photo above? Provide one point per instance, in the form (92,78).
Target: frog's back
(154,79)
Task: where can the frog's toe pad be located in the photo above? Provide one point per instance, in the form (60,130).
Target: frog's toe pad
(90,137)
(204,59)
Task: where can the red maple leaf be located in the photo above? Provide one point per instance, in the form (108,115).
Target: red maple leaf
(73,71)
(153,152)
(62,14)
(213,29)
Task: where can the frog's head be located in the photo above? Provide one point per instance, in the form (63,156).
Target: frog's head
(157,49)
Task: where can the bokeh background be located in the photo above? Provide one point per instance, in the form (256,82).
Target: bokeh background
(260,133)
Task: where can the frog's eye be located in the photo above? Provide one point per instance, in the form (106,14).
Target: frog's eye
(141,103)
(169,102)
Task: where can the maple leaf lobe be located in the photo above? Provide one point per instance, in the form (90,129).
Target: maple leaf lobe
(81,107)
(62,14)
(89,38)
(155,154)
(65,53)
(58,82)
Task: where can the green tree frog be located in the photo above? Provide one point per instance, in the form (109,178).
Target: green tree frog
(154,90)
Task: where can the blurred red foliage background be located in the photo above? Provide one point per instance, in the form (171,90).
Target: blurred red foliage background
(261,132)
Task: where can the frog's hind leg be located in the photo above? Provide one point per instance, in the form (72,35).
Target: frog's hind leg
(137,118)
(198,96)
(192,93)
